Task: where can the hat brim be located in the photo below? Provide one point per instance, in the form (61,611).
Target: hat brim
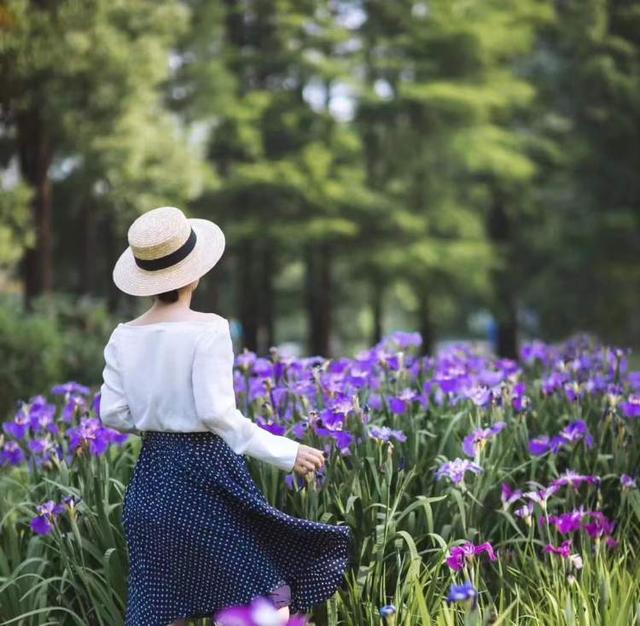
(135,281)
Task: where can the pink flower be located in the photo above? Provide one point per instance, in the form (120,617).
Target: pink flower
(509,496)
(459,555)
(563,550)
(601,526)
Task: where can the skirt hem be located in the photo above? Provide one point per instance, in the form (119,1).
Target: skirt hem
(201,536)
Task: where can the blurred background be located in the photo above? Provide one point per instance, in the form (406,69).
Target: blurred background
(468,169)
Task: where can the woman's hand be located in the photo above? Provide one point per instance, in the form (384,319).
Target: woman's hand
(308,459)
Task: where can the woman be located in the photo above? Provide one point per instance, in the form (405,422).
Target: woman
(200,534)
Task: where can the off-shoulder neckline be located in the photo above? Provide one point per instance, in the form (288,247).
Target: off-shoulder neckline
(174,323)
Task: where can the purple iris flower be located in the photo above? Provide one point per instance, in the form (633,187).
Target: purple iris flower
(508,367)
(540,445)
(451,379)
(459,555)
(525,511)
(463,593)
(270,425)
(456,469)
(384,433)
(300,428)
(329,420)
(552,383)
(574,480)
(399,404)
(343,441)
(19,427)
(263,368)
(374,401)
(69,388)
(519,400)
(11,454)
(600,526)
(480,395)
(563,550)
(42,449)
(566,523)
(541,496)
(573,392)
(95,404)
(535,351)
(631,408)
(577,431)
(594,385)
(73,404)
(627,482)
(41,414)
(387,611)
(404,339)
(392,362)
(490,378)
(279,395)
(260,612)
(338,411)
(611,543)
(509,495)
(246,359)
(50,508)
(359,375)
(296,482)
(42,523)
(473,443)
(90,434)
(70,501)
(571,434)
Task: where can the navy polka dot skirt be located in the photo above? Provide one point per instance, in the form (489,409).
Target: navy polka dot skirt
(201,535)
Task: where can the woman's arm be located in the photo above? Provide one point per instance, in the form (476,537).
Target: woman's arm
(215,403)
(113,409)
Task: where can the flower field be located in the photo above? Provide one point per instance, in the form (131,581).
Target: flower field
(480,490)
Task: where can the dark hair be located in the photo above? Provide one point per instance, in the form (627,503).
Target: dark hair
(168,296)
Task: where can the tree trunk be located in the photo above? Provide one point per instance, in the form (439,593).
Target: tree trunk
(35,157)
(267,331)
(111,254)
(319,298)
(376,309)
(247,295)
(88,271)
(425,322)
(505,311)
(326,299)
(507,340)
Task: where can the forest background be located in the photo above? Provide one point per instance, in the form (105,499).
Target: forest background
(464,168)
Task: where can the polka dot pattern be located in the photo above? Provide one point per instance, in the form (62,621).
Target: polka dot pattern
(201,535)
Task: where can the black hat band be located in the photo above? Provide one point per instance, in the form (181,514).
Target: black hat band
(170,259)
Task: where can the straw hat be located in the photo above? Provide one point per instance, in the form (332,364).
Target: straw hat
(166,251)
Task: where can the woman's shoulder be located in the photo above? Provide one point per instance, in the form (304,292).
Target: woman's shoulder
(193,321)
(213,327)
(213,317)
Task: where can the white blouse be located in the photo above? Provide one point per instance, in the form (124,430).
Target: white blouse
(178,376)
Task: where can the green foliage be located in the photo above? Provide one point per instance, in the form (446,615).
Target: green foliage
(15,226)
(81,89)
(589,73)
(405,521)
(481,153)
(31,355)
(61,340)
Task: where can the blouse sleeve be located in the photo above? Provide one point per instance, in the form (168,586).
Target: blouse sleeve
(216,403)
(113,408)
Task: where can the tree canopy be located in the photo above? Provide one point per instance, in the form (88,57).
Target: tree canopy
(374,164)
